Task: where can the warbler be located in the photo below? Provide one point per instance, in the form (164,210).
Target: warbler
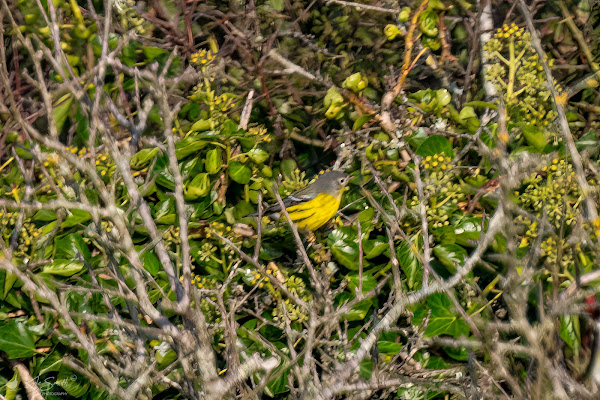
(312,206)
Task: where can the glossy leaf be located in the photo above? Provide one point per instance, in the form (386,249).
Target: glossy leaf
(239,172)
(16,340)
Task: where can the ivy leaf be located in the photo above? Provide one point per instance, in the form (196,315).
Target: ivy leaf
(435,144)
(63,267)
(344,246)
(70,247)
(410,265)
(75,384)
(151,263)
(534,136)
(77,217)
(570,332)
(360,121)
(389,348)
(61,111)
(16,340)
(198,187)
(213,161)
(239,172)
(450,255)
(142,158)
(359,311)
(258,156)
(45,216)
(443,320)
(374,247)
(278,385)
(287,168)
(152,52)
(189,145)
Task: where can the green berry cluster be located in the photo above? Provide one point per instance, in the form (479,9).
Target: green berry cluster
(28,235)
(294,312)
(550,247)
(171,237)
(441,189)
(104,164)
(515,70)
(207,307)
(554,193)
(202,57)
(128,16)
(295,181)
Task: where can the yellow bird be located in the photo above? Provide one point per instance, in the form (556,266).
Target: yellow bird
(314,205)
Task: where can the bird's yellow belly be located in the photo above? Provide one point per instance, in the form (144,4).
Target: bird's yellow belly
(314,213)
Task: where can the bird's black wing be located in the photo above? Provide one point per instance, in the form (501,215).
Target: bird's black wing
(289,201)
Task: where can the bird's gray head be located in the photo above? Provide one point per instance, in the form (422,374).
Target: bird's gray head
(331,182)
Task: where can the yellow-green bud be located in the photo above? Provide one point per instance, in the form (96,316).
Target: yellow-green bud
(391,31)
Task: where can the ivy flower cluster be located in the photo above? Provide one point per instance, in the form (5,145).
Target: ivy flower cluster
(440,189)
(28,234)
(554,193)
(515,71)
(287,307)
(295,181)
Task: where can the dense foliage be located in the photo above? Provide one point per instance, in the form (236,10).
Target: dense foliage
(137,137)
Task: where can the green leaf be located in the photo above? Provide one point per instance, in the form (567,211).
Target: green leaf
(189,145)
(45,216)
(164,355)
(198,187)
(435,144)
(278,385)
(466,113)
(344,246)
(152,52)
(73,383)
(51,363)
(288,167)
(368,281)
(360,121)
(61,111)
(276,5)
(142,158)
(589,140)
(239,172)
(258,156)
(389,348)
(410,265)
(450,255)
(213,160)
(365,369)
(443,320)
(570,332)
(443,97)
(12,386)
(374,247)
(9,280)
(467,229)
(63,267)
(16,340)
(77,217)
(201,125)
(534,136)
(417,138)
(151,263)
(70,247)
(481,104)
(359,311)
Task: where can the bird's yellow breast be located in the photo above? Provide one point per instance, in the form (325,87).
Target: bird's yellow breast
(316,212)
